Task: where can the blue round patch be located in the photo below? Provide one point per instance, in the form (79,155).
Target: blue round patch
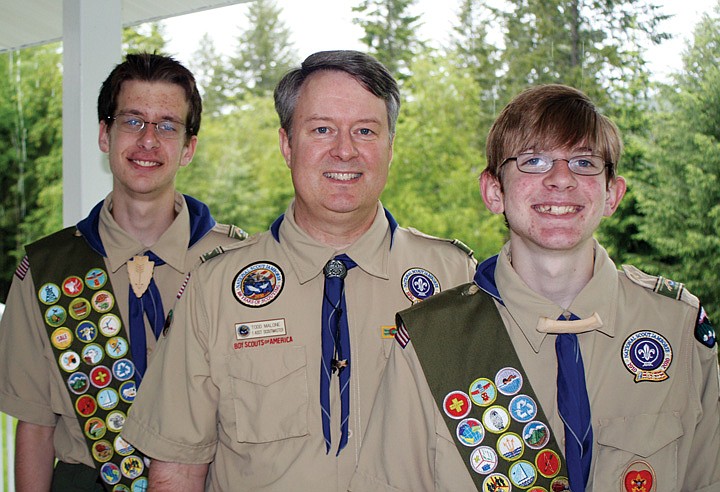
(419,284)
(258,284)
(523,408)
(123,369)
(470,432)
(509,381)
(647,355)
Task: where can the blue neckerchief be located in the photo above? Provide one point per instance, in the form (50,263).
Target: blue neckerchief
(275,227)
(485,278)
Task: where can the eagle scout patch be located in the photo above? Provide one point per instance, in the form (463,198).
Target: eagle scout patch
(258,284)
(639,476)
(419,284)
(647,355)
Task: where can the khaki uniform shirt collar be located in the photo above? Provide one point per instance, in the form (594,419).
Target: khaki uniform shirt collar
(121,246)
(526,306)
(308,257)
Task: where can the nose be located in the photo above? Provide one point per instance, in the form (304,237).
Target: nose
(344,147)
(147,137)
(560,176)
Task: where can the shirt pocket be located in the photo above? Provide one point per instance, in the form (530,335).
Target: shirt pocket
(649,438)
(270,394)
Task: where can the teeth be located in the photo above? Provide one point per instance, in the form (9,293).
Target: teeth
(556,209)
(146,163)
(342,176)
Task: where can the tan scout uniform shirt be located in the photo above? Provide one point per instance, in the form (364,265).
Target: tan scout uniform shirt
(249,404)
(31,386)
(673,426)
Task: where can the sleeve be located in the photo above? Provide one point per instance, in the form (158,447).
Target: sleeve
(26,362)
(398,449)
(174,417)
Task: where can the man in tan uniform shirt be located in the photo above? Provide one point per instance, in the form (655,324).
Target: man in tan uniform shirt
(149,110)
(241,365)
(649,352)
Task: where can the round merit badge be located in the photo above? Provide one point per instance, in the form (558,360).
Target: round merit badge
(522,474)
(95,278)
(419,284)
(49,294)
(647,355)
(484,459)
(470,432)
(258,284)
(509,381)
(483,392)
(457,405)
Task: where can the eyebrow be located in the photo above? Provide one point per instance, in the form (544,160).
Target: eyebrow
(320,118)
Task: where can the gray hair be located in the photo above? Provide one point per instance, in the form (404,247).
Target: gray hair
(369,72)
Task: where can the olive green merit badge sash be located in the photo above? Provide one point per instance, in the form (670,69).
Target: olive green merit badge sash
(85,328)
(484,395)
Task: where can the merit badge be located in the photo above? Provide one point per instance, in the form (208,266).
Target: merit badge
(61,338)
(86,405)
(510,446)
(484,460)
(258,284)
(95,428)
(139,485)
(128,391)
(115,420)
(79,308)
(123,369)
(522,474)
(647,355)
(69,361)
(100,376)
(483,392)
(110,473)
(639,476)
(496,419)
(49,294)
(547,463)
(456,405)
(523,408)
(132,467)
(107,398)
(92,354)
(102,451)
(497,482)
(122,447)
(72,286)
(86,331)
(508,381)
(116,347)
(95,278)
(55,316)
(470,432)
(102,301)
(560,483)
(536,434)
(419,284)
(109,325)
(78,383)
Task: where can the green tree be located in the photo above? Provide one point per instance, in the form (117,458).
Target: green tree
(390,33)
(212,76)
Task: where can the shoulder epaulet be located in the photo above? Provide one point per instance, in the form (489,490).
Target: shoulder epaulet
(455,242)
(231,231)
(704,330)
(661,285)
(218,250)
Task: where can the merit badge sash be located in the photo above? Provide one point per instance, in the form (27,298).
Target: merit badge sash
(483,393)
(92,352)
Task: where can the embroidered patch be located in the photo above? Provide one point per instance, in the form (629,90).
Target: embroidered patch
(116,347)
(79,308)
(496,419)
(49,294)
(536,434)
(497,482)
(132,466)
(510,446)
(419,284)
(22,268)
(95,428)
(102,451)
(78,383)
(103,301)
(110,325)
(107,398)
(647,355)
(639,476)
(522,474)
(55,316)
(260,329)
(72,286)
(484,460)
(669,288)
(483,392)
(456,405)
(704,330)
(547,463)
(509,381)
(402,336)
(560,483)
(92,354)
(115,420)
(100,376)
(110,473)
(523,408)
(96,278)
(69,361)
(470,432)
(258,284)
(388,331)
(61,338)
(122,447)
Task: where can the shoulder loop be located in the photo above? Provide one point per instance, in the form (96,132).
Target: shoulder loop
(455,242)
(232,231)
(464,247)
(661,285)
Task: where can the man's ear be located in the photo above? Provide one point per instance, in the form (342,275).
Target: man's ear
(104,137)
(492,193)
(285,146)
(614,194)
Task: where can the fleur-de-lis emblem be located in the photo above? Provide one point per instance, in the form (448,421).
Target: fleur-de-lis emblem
(647,353)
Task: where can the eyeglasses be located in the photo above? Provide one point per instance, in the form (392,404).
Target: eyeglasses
(132,123)
(584,165)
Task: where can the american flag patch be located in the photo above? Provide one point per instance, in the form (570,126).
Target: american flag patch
(182,287)
(402,336)
(23,268)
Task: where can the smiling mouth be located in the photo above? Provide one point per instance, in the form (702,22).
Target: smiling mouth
(342,176)
(145,163)
(557,209)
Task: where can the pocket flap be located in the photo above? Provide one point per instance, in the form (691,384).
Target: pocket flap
(633,433)
(267,365)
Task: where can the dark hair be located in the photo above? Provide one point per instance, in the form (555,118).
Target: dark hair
(149,67)
(369,72)
(548,117)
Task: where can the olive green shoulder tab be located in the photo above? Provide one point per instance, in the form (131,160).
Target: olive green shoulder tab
(661,285)
(456,242)
(219,250)
(232,231)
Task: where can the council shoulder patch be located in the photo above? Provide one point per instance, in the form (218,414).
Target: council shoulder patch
(704,330)
(258,284)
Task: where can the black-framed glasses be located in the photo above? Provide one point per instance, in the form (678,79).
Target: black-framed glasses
(584,165)
(132,123)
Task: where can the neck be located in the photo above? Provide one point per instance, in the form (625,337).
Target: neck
(338,230)
(144,220)
(556,275)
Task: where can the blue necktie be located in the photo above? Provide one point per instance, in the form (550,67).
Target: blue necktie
(335,346)
(574,409)
(150,305)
